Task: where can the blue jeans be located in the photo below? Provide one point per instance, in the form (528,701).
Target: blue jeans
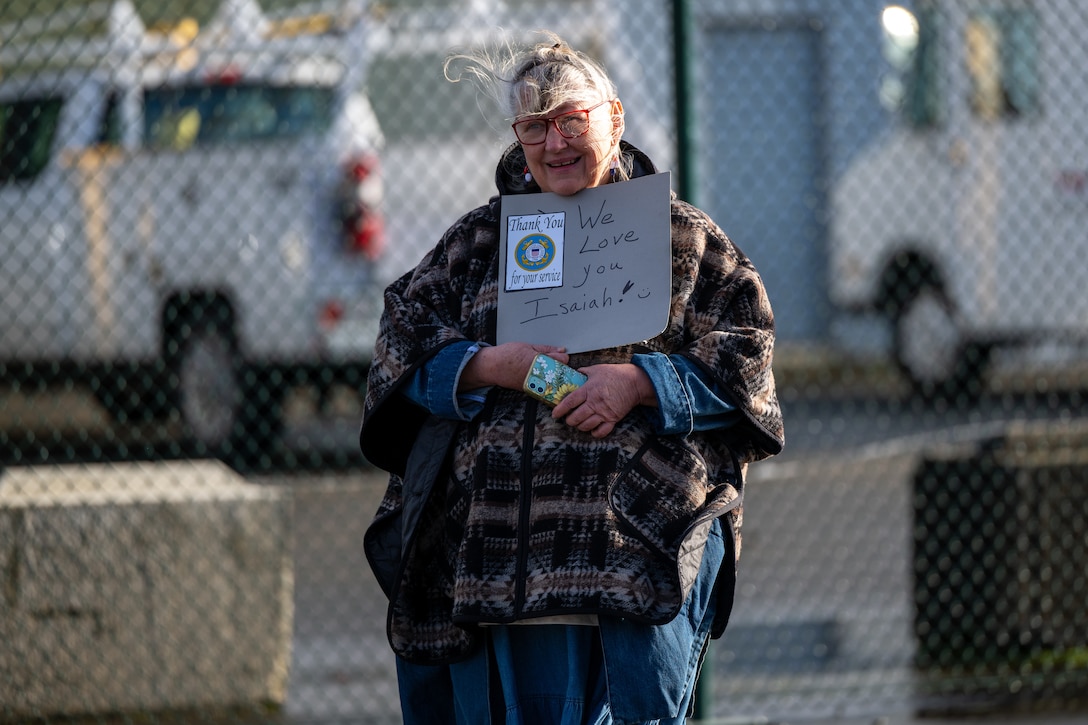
(553,674)
(545,675)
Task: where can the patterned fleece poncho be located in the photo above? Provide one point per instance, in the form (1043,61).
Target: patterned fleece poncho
(515,516)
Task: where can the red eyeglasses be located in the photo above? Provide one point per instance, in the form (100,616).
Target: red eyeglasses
(572,124)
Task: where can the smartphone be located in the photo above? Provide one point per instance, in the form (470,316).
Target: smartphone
(549,380)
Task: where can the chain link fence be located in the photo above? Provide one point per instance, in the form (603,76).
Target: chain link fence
(201,203)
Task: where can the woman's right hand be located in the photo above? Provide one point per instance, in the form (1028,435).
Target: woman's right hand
(505,365)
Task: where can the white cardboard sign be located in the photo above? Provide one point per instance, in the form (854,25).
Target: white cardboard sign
(588,271)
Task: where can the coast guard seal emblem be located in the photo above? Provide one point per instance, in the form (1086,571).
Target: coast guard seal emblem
(535,252)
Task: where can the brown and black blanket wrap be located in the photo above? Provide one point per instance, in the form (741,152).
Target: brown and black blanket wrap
(513,515)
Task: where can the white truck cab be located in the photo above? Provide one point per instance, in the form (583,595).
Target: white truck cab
(189,215)
(965,224)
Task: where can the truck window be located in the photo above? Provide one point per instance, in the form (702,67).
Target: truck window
(27,128)
(179,117)
(1002,56)
(912,88)
(396,102)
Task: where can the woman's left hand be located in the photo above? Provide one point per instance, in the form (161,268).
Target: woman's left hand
(611,392)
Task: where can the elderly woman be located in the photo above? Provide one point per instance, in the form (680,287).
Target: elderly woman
(566,564)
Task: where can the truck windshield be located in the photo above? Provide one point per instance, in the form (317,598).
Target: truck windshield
(27,127)
(179,117)
(1000,49)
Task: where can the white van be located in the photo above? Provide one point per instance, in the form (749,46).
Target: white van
(965,225)
(190,216)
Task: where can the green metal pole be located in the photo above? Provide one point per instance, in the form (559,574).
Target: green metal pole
(683,29)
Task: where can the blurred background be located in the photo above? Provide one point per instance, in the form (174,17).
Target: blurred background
(200,204)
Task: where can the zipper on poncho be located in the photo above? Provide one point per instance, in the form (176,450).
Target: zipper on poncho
(528,441)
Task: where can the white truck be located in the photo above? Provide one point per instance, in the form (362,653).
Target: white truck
(190,215)
(966,224)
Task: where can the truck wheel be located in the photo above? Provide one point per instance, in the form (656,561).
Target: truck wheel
(208,378)
(931,349)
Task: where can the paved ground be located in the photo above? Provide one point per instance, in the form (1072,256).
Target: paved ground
(821,633)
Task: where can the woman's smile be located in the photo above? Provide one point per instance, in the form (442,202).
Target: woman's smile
(564,165)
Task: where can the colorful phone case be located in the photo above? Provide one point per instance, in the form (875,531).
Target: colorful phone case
(549,380)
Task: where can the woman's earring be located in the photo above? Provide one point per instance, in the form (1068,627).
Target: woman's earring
(528,176)
(613,168)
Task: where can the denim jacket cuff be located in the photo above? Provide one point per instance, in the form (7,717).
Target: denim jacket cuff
(674,414)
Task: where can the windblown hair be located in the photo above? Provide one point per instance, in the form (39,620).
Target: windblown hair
(535,80)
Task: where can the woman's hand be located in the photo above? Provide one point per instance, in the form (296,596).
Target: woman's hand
(612,391)
(505,365)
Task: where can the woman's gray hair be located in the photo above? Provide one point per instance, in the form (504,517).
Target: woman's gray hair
(534,80)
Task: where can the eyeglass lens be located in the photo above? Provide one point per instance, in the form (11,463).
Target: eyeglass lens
(571,125)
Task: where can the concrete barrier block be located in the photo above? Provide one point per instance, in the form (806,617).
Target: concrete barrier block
(139,587)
